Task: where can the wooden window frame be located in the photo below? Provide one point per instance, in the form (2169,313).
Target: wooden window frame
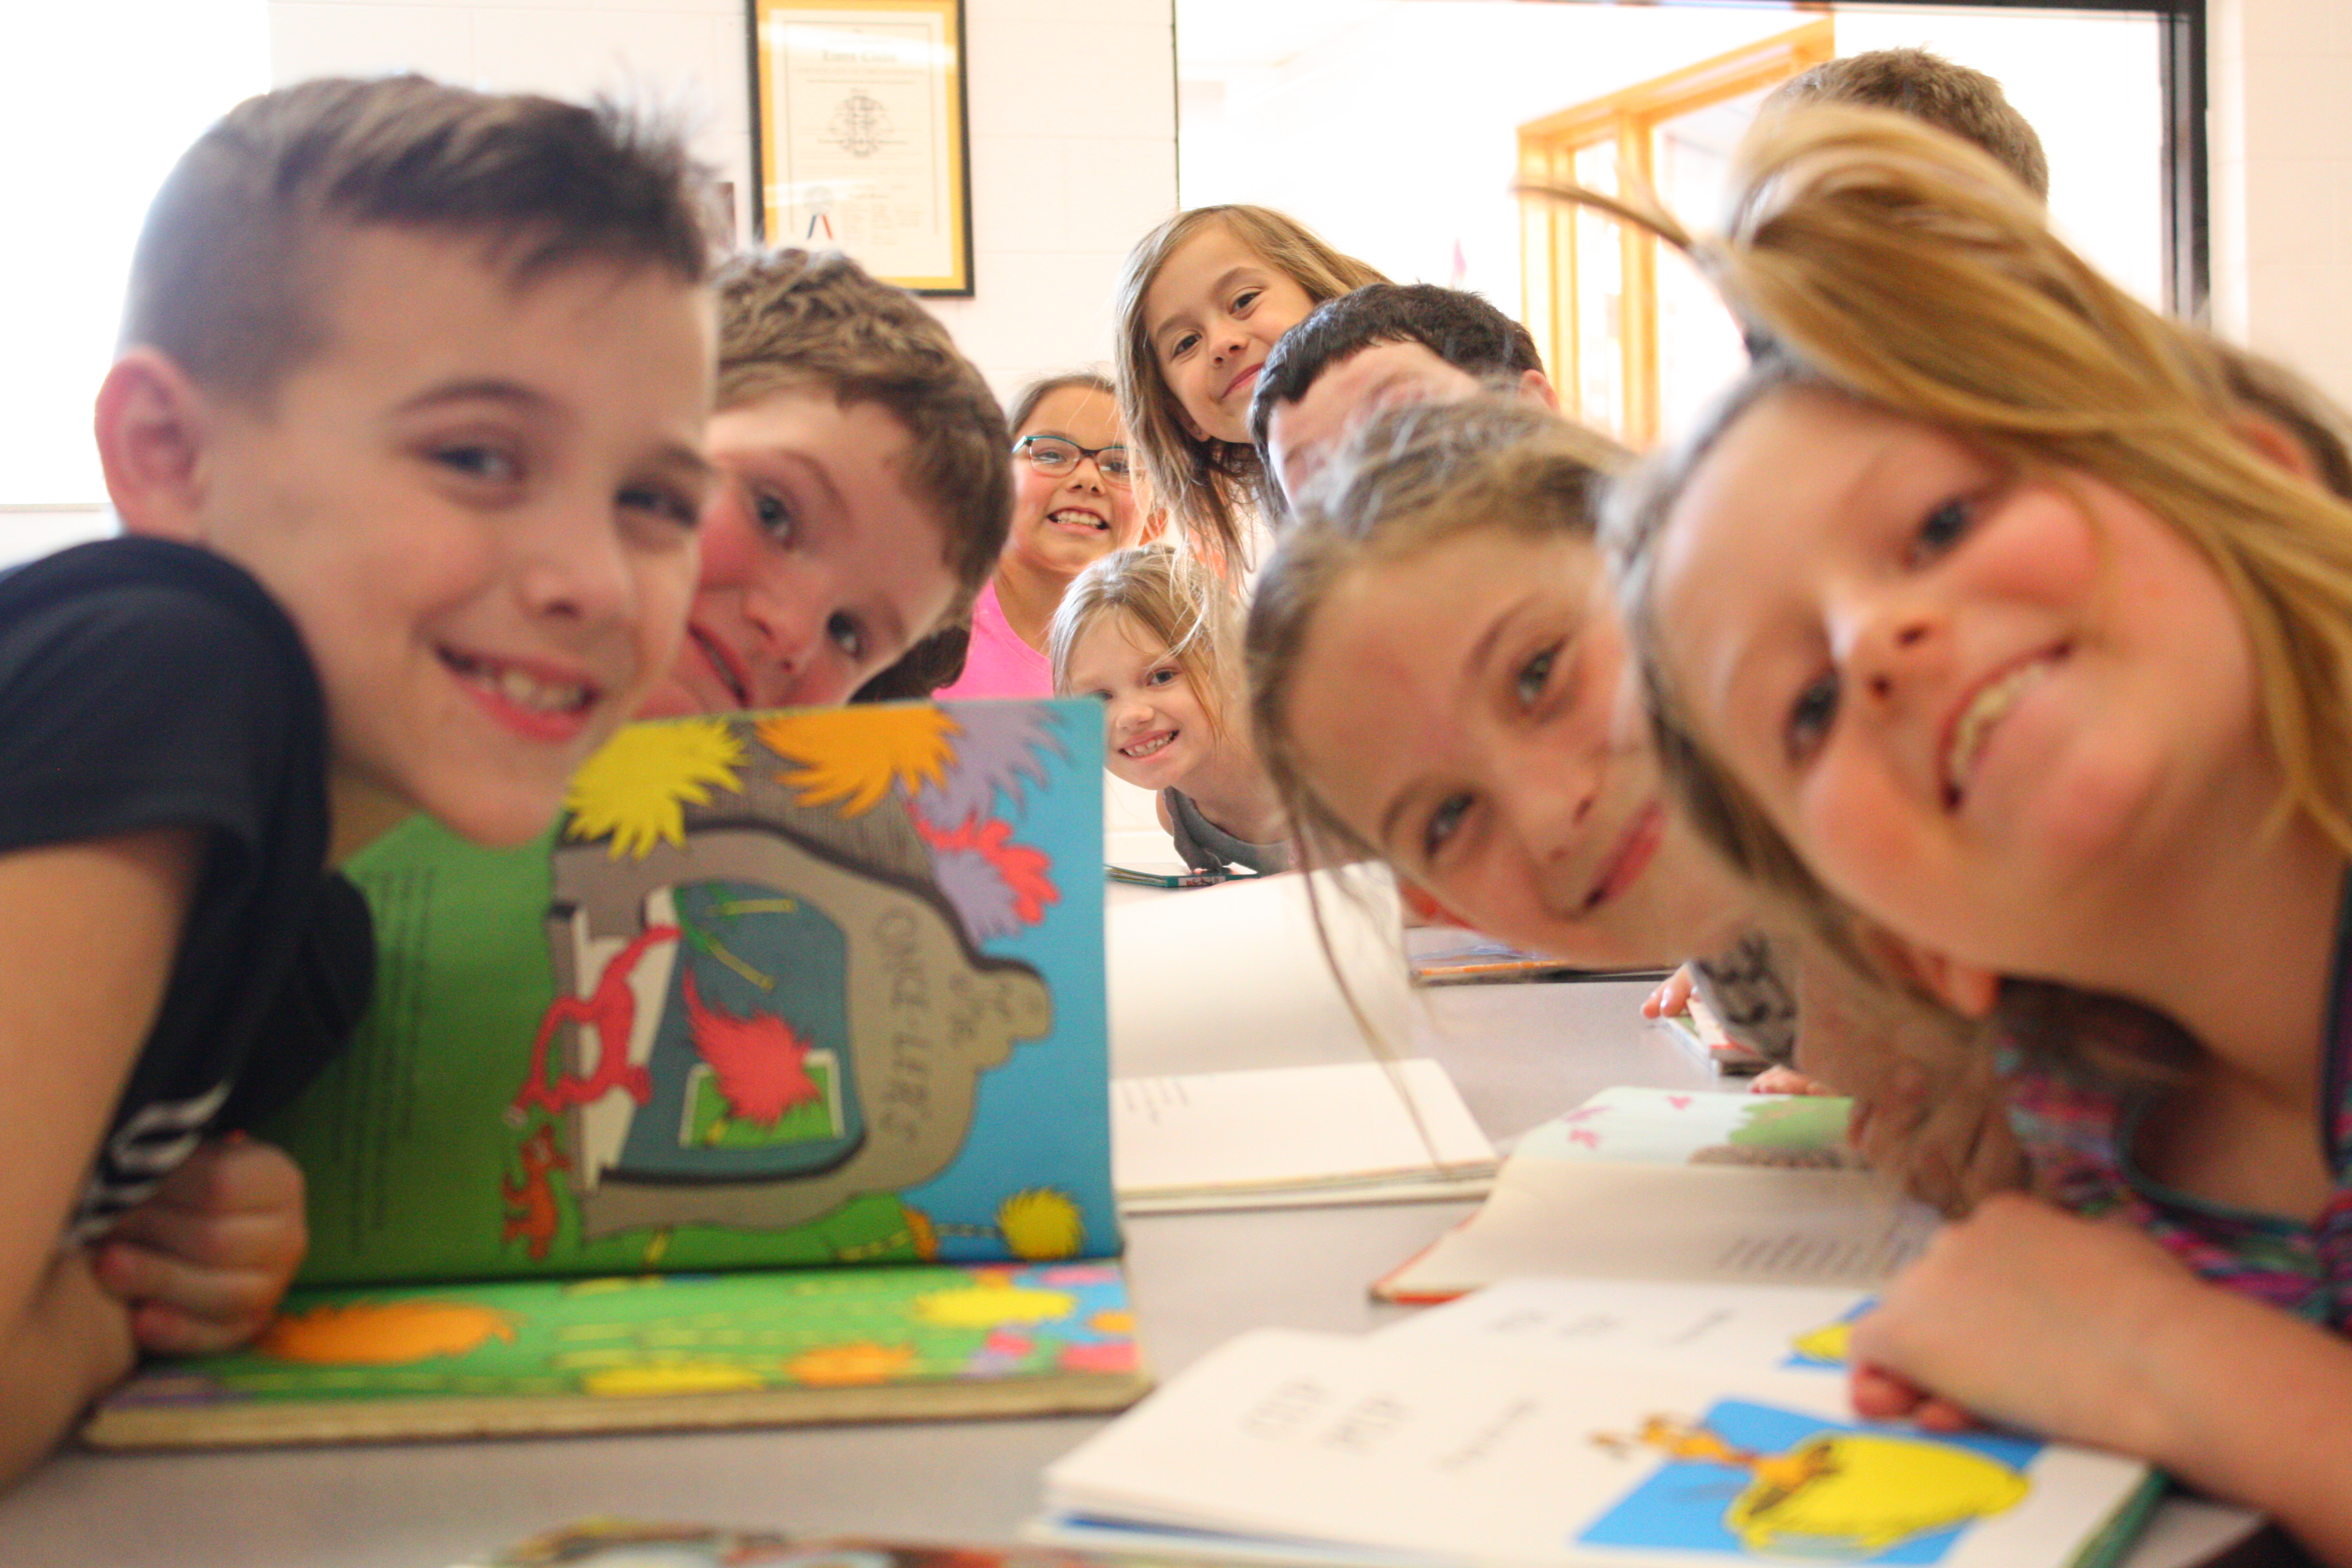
(1629,118)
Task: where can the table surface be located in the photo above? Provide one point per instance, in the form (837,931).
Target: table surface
(1520,1054)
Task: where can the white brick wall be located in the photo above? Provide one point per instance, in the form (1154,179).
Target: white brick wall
(1072,109)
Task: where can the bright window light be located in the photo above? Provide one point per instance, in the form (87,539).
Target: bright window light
(106,97)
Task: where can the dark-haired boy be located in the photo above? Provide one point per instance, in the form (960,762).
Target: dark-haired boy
(405,436)
(1380,347)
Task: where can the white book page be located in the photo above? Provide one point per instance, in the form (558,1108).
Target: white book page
(1461,1457)
(1724,1225)
(1780,1328)
(1234,976)
(1342,1124)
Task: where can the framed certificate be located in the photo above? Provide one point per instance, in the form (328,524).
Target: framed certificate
(862,144)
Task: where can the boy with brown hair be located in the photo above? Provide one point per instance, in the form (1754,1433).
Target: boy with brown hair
(1928,88)
(405,436)
(864,485)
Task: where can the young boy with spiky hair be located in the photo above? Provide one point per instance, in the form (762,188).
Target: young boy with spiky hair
(405,436)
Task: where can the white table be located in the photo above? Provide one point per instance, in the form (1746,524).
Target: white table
(1520,1053)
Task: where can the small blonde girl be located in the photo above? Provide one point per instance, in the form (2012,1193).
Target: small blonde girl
(1991,611)
(1203,298)
(1156,634)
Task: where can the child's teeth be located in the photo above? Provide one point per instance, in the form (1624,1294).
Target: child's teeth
(525,690)
(1987,705)
(1145,748)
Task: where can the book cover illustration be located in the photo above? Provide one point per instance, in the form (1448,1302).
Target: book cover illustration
(811,987)
(1752,1480)
(511,1355)
(1707,1127)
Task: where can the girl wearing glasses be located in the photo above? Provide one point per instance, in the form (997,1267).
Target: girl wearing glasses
(1074,502)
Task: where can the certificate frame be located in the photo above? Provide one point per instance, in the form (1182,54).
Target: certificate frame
(861,138)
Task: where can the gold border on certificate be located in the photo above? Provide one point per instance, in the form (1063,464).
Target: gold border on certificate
(862,141)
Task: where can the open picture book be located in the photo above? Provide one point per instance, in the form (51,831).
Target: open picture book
(772,1086)
(1292,1137)
(1560,1422)
(1660,1380)
(1707,1186)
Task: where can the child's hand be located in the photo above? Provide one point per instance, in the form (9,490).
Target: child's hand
(1673,995)
(2028,1317)
(204,1262)
(1778,1079)
(1881,1395)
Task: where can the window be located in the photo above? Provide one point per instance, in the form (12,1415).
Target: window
(1618,325)
(1392,127)
(108,97)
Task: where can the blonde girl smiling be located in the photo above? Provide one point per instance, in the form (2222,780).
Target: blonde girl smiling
(1157,636)
(1203,298)
(1439,681)
(1985,610)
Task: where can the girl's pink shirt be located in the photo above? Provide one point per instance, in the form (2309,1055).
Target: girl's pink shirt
(998,663)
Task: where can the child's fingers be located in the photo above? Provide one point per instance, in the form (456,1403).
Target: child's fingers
(162,1328)
(1672,995)
(262,1239)
(1935,1414)
(1880,1394)
(233,1175)
(219,1295)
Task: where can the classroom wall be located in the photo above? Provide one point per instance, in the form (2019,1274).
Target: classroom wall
(1072,108)
(2280,128)
(1426,195)
(1072,160)
(1074,114)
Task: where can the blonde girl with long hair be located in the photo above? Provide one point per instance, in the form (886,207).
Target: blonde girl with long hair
(1201,300)
(1439,682)
(1988,612)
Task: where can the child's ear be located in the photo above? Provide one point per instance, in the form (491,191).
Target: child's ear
(1963,987)
(1536,386)
(2279,443)
(152,426)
